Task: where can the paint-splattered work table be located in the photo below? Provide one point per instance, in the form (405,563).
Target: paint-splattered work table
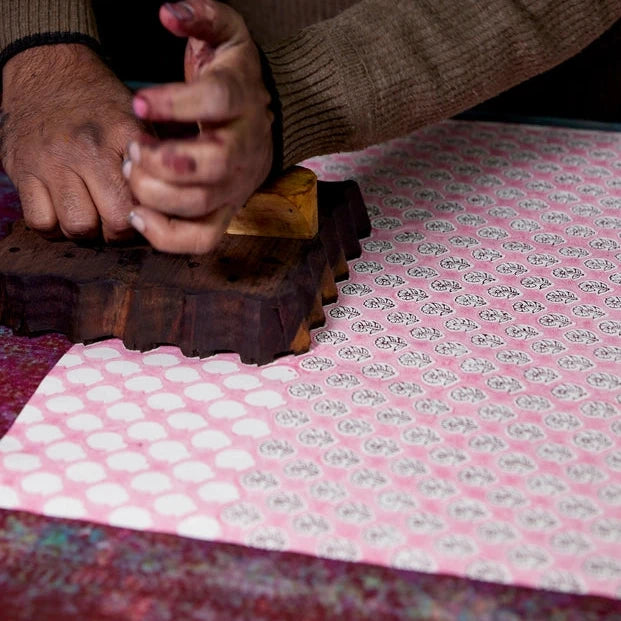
(455,421)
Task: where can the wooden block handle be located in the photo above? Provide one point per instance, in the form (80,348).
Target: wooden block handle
(285,208)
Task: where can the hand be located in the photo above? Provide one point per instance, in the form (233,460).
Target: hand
(66,124)
(190,189)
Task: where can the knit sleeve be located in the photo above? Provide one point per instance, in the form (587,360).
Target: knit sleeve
(26,23)
(383,68)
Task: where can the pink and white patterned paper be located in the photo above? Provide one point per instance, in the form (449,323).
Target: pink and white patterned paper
(458,413)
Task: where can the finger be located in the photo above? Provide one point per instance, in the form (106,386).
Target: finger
(38,208)
(75,210)
(184,161)
(216,97)
(181,236)
(112,197)
(212,22)
(191,201)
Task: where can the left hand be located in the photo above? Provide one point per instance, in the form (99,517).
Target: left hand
(190,189)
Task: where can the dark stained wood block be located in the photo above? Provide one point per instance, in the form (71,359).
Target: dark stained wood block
(257,296)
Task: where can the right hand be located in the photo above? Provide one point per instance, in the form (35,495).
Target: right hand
(65,125)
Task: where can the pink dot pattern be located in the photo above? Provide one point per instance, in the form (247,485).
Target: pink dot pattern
(458,413)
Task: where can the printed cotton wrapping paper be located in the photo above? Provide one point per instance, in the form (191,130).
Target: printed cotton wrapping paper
(458,413)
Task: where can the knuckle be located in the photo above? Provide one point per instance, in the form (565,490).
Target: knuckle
(78,229)
(77,221)
(89,133)
(117,225)
(43,222)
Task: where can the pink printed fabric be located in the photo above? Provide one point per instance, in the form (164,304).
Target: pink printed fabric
(458,413)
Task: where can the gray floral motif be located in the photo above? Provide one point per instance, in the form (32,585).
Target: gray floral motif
(546,485)
(413,560)
(328,491)
(339,549)
(562,421)
(354,512)
(354,427)
(409,467)
(291,418)
(344,312)
(584,473)
(259,480)
(456,546)
(367,478)
(341,457)
(571,543)
(563,581)
(331,407)
(529,557)
(555,452)
(592,441)
(285,502)
(393,416)
(607,529)
(276,449)
(269,538)
(302,469)
(496,532)
(508,497)
(242,514)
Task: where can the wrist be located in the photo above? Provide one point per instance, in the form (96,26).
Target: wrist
(35,52)
(36,67)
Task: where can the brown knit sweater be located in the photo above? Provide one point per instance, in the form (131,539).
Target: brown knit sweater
(350,74)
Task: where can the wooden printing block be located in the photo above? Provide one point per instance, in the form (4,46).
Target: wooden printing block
(255,295)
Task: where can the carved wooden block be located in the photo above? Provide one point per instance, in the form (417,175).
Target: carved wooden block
(287,207)
(257,296)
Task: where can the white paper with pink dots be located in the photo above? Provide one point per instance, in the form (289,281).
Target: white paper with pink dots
(458,413)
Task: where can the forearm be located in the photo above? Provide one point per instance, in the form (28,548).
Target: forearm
(26,23)
(383,68)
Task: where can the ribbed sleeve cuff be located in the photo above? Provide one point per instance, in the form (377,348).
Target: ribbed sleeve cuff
(313,105)
(48,38)
(275,107)
(27,23)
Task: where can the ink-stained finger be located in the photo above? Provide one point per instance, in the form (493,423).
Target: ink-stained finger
(196,161)
(209,21)
(188,201)
(178,235)
(217,97)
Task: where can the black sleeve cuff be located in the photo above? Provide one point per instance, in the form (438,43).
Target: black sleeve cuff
(47,38)
(276,108)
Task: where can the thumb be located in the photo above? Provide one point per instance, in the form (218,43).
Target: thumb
(207,20)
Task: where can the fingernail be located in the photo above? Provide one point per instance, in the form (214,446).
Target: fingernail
(127,168)
(181,10)
(137,222)
(134,152)
(141,107)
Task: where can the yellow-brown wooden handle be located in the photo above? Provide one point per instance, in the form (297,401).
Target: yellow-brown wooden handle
(285,208)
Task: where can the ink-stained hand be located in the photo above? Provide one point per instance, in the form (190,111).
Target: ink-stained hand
(190,189)
(66,123)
